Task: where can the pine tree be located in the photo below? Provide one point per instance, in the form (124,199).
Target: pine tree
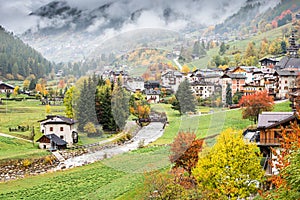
(222,48)
(228,95)
(185,98)
(81,108)
(103,107)
(120,105)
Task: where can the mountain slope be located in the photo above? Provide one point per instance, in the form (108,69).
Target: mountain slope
(18,60)
(257,13)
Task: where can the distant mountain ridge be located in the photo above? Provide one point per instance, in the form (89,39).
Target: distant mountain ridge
(66,31)
(18,60)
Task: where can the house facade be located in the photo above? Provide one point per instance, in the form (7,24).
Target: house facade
(62,127)
(286,80)
(270,128)
(202,89)
(135,84)
(6,88)
(171,79)
(236,81)
(152,96)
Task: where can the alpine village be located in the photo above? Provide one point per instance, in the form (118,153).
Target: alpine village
(211,113)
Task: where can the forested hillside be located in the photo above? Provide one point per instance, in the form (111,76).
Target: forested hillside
(18,60)
(250,18)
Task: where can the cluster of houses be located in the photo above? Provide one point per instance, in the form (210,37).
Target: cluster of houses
(278,77)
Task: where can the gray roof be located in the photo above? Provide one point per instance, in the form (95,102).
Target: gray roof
(201,83)
(288,62)
(287,73)
(65,120)
(173,72)
(6,84)
(234,76)
(212,76)
(152,92)
(268,119)
(54,138)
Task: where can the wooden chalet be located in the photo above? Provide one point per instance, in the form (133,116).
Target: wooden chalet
(266,62)
(270,126)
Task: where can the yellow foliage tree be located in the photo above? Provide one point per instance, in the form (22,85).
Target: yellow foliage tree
(16,90)
(229,169)
(26,84)
(90,128)
(48,109)
(185,69)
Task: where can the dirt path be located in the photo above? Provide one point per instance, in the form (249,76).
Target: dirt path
(11,136)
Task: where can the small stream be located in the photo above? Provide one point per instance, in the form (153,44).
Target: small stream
(145,136)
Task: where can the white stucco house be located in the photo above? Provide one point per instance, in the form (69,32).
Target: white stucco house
(60,129)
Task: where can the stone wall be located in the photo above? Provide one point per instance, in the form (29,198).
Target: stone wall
(15,169)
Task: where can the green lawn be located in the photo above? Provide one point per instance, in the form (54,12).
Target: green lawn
(205,125)
(24,113)
(111,179)
(122,176)
(11,148)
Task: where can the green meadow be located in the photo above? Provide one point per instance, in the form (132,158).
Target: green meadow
(120,177)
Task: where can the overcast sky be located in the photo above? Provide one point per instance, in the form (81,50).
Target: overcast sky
(14,14)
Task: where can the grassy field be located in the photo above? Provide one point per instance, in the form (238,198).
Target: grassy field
(115,178)
(202,125)
(122,176)
(24,113)
(11,148)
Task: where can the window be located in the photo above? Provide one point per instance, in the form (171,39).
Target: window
(51,128)
(62,137)
(61,128)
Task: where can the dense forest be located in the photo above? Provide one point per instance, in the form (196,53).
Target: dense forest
(18,60)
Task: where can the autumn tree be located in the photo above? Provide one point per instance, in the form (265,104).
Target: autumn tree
(184,151)
(185,69)
(26,83)
(89,128)
(254,104)
(250,50)
(229,169)
(16,90)
(69,102)
(166,185)
(139,107)
(185,99)
(287,163)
